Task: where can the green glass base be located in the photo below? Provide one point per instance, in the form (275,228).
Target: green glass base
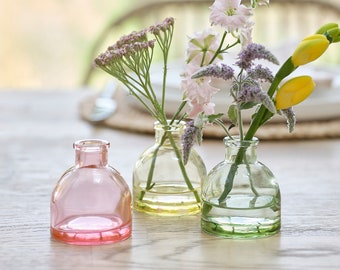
(245,217)
(240,231)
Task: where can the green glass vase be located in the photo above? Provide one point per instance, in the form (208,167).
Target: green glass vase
(240,198)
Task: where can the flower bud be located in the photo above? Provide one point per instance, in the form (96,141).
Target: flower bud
(309,49)
(326,27)
(294,91)
(333,34)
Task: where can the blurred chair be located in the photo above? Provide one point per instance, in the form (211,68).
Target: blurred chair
(282,22)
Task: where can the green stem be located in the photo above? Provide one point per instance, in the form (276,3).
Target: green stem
(252,187)
(220,123)
(218,51)
(228,185)
(240,123)
(180,108)
(152,168)
(182,167)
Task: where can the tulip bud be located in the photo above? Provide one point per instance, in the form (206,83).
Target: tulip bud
(293,92)
(326,27)
(333,34)
(337,39)
(309,49)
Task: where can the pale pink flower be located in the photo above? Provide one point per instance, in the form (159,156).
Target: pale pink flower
(198,92)
(202,44)
(230,14)
(197,108)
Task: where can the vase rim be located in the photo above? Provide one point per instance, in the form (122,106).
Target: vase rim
(91,144)
(235,140)
(174,126)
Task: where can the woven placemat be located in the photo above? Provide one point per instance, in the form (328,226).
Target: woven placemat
(128,117)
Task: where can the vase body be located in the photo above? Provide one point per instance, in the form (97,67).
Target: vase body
(240,198)
(162,184)
(91,203)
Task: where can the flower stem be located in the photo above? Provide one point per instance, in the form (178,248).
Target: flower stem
(221,124)
(182,167)
(228,185)
(218,51)
(152,169)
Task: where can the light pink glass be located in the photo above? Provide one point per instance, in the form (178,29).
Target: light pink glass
(91,203)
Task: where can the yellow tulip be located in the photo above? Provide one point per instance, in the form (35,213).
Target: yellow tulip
(294,91)
(309,49)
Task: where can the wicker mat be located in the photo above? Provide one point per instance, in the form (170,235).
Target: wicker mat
(129,118)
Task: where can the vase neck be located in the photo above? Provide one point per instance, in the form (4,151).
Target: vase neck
(91,153)
(162,133)
(234,145)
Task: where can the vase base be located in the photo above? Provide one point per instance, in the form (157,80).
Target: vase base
(247,217)
(240,231)
(167,199)
(80,231)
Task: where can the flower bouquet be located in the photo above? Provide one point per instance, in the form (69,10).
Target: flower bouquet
(240,198)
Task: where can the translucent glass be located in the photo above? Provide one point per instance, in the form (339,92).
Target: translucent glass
(162,185)
(91,203)
(240,198)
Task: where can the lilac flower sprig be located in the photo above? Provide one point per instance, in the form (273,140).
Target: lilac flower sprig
(246,88)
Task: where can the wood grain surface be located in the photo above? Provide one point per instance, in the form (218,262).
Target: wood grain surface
(37,130)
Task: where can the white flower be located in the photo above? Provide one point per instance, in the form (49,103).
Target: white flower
(230,14)
(245,34)
(202,44)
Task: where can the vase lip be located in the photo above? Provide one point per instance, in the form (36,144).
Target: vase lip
(175,125)
(236,141)
(91,144)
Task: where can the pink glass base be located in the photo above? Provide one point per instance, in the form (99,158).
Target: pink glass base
(92,230)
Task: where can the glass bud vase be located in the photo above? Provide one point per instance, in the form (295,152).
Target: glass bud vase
(162,184)
(91,203)
(240,198)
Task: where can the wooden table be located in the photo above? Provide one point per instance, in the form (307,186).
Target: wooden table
(37,130)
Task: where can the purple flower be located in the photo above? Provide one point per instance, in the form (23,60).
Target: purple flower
(254,51)
(218,70)
(260,73)
(163,26)
(188,139)
(251,92)
(139,36)
(116,53)
(290,117)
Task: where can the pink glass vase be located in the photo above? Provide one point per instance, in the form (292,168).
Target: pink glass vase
(91,203)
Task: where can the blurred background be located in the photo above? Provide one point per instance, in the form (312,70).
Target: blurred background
(46,44)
